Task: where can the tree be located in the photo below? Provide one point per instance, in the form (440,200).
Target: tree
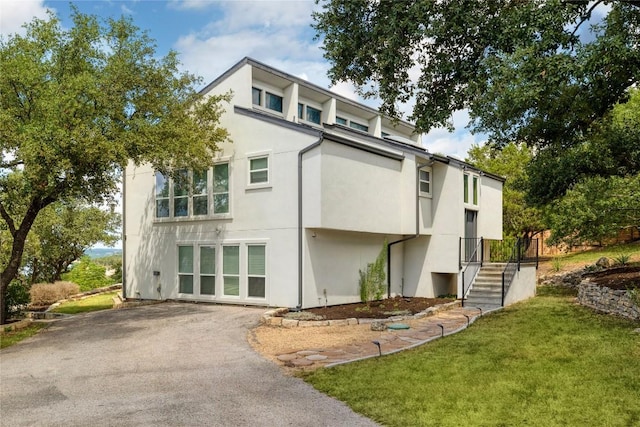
(77,105)
(510,162)
(520,67)
(63,232)
(595,209)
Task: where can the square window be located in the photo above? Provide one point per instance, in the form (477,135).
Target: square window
(273,102)
(256,287)
(313,115)
(259,170)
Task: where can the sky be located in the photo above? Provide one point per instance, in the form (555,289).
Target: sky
(211,36)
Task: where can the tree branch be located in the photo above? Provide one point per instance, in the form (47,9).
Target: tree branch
(586,16)
(8,220)
(12,164)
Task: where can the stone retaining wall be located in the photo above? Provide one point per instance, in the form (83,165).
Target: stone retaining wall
(273,318)
(606,300)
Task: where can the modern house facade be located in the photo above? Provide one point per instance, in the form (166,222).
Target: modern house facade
(304,197)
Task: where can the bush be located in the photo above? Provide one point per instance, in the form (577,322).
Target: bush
(48,293)
(372,280)
(16,298)
(88,275)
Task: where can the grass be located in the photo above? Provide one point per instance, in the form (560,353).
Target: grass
(614,251)
(544,362)
(10,338)
(94,303)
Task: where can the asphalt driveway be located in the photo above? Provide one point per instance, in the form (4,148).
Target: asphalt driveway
(170,364)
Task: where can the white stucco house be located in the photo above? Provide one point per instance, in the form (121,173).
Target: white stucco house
(303,198)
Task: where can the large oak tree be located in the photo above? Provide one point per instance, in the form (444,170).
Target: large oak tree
(77,104)
(542,72)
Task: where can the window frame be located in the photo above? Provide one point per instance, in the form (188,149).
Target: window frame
(428,181)
(250,275)
(226,274)
(181,274)
(256,156)
(471,189)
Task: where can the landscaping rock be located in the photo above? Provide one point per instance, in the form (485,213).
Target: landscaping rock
(603,262)
(378,326)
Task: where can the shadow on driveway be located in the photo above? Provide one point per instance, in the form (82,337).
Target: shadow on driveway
(158,365)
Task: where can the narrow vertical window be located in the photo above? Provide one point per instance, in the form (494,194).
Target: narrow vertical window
(424,179)
(231,270)
(181,193)
(200,193)
(475,190)
(256,270)
(259,170)
(221,188)
(185,269)
(162,196)
(256,96)
(466,188)
(207,270)
(300,111)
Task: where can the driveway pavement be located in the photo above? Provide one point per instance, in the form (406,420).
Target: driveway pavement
(170,364)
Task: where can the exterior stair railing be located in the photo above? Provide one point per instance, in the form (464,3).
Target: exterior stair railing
(470,262)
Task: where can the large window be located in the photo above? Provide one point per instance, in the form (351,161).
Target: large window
(256,271)
(185,269)
(193,193)
(207,270)
(309,114)
(424,181)
(231,270)
(162,196)
(359,126)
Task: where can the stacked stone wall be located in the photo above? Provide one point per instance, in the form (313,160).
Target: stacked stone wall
(606,300)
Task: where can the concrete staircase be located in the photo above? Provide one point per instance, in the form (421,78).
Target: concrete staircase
(486,291)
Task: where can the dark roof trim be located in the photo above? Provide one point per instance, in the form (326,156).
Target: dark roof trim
(266,117)
(363,147)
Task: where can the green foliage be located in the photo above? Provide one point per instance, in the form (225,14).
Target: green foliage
(93,303)
(622,258)
(524,365)
(17,298)
(372,280)
(510,162)
(10,338)
(556,264)
(595,209)
(88,275)
(634,295)
(76,104)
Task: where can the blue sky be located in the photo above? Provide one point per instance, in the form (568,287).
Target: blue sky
(211,36)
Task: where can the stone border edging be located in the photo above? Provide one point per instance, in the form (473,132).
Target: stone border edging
(607,300)
(272,318)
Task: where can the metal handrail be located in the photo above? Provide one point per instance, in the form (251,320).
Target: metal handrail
(469,276)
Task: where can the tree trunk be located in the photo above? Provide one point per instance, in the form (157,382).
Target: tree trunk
(19,238)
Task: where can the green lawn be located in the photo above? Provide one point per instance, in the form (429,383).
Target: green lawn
(94,303)
(10,338)
(613,251)
(544,362)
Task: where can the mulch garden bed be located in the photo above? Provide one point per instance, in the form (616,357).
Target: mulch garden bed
(620,278)
(397,306)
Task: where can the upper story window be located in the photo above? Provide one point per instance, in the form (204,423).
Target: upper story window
(259,169)
(341,121)
(358,126)
(424,181)
(193,193)
(266,99)
(471,190)
(309,114)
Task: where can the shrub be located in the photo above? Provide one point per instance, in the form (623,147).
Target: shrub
(622,258)
(88,275)
(48,293)
(372,280)
(16,299)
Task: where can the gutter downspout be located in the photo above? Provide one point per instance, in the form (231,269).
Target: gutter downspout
(300,154)
(417,233)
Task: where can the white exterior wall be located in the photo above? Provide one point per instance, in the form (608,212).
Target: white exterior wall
(523,285)
(352,199)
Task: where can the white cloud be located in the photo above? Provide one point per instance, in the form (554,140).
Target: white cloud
(15,13)
(455,143)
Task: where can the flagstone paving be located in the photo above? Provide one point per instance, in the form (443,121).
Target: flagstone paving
(420,332)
